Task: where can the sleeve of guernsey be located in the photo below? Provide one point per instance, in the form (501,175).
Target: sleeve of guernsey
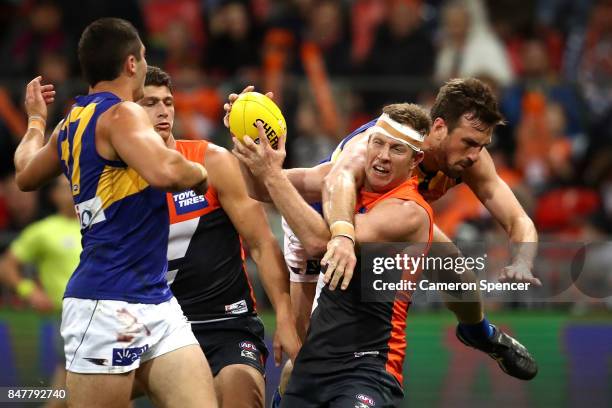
(27,247)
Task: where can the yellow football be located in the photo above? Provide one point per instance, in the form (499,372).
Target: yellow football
(252,107)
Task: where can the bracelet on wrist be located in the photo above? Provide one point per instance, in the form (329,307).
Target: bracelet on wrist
(343,229)
(37,122)
(25,288)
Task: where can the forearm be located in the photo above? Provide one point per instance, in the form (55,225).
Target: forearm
(306,223)
(524,238)
(34,138)
(194,174)
(339,196)
(297,177)
(273,275)
(30,144)
(10,274)
(179,174)
(309,181)
(255,188)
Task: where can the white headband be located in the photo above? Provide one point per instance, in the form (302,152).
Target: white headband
(397,131)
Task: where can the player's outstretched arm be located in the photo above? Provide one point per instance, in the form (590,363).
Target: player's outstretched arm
(501,202)
(308,181)
(249,218)
(37,162)
(339,198)
(132,136)
(265,164)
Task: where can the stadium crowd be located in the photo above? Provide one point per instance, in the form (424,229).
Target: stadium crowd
(333,64)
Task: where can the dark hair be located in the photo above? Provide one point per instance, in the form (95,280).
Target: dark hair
(104,46)
(466,96)
(158,77)
(411,115)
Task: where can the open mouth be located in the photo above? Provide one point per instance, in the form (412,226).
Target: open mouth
(380,170)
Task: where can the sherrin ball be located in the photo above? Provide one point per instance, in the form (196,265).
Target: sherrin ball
(252,107)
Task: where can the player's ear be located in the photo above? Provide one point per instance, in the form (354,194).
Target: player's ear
(439,128)
(417,157)
(130,65)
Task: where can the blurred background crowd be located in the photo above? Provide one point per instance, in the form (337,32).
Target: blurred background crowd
(332,65)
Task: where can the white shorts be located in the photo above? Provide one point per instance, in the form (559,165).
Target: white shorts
(111,336)
(301,269)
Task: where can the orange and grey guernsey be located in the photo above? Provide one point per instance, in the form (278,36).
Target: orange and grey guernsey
(124,221)
(348,333)
(432,185)
(206,266)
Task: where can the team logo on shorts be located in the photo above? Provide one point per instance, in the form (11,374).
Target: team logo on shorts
(247,345)
(248,350)
(363,401)
(248,354)
(125,357)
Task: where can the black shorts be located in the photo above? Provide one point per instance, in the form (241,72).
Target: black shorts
(364,387)
(233,341)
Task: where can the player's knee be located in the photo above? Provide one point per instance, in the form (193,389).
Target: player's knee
(240,376)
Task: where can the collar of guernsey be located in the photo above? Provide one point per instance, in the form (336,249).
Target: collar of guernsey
(124,222)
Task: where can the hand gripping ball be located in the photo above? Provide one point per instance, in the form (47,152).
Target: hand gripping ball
(252,107)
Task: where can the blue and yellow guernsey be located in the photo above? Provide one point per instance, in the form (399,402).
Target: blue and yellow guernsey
(124,221)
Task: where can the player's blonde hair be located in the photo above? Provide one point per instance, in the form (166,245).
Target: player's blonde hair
(409,114)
